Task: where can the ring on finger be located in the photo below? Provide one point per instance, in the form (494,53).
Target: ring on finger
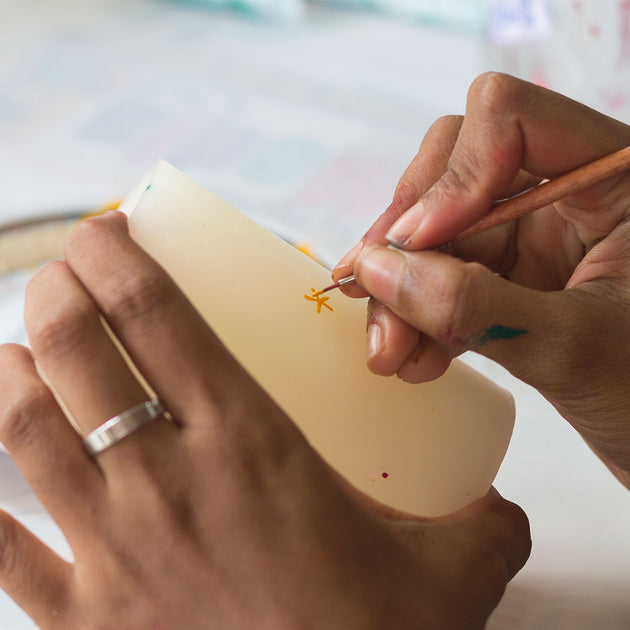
(120,426)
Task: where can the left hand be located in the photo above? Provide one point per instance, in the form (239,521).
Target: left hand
(226,519)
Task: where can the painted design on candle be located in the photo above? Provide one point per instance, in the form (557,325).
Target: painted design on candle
(320,300)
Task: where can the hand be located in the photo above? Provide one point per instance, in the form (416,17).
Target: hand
(225,518)
(559,318)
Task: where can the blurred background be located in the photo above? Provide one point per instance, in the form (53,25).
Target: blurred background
(304,114)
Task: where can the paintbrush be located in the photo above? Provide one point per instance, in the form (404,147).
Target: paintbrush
(534,198)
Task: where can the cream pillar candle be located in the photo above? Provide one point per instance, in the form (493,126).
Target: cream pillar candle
(426,449)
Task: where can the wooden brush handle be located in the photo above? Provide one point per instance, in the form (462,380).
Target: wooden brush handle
(537,197)
(550,191)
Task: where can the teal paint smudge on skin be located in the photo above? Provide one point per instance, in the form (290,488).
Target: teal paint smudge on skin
(497,332)
(147,188)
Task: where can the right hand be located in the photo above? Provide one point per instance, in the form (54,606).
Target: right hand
(567,301)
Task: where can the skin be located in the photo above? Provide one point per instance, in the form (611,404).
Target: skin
(560,275)
(224,519)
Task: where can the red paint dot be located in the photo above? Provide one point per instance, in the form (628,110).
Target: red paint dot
(384,475)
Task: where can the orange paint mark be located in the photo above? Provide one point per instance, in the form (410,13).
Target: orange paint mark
(305,248)
(110,205)
(319,300)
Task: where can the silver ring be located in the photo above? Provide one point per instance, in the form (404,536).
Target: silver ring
(122,425)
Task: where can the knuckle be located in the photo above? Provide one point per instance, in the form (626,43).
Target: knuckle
(140,295)
(458,315)
(20,415)
(47,320)
(46,276)
(62,328)
(442,135)
(85,235)
(10,355)
(496,91)
(445,129)
(462,176)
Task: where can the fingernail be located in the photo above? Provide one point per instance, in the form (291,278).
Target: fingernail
(346,265)
(401,232)
(381,271)
(375,341)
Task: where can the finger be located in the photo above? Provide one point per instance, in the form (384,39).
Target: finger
(35,577)
(390,340)
(464,306)
(428,361)
(426,167)
(500,525)
(46,449)
(396,347)
(509,125)
(196,377)
(489,539)
(163,333)
(82,362)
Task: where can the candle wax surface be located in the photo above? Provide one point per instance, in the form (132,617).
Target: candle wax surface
(426,449)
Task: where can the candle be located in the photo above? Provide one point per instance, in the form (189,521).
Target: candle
(426,449)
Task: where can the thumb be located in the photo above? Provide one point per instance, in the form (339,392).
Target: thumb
(472,554)
(465,306)
(499,524)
